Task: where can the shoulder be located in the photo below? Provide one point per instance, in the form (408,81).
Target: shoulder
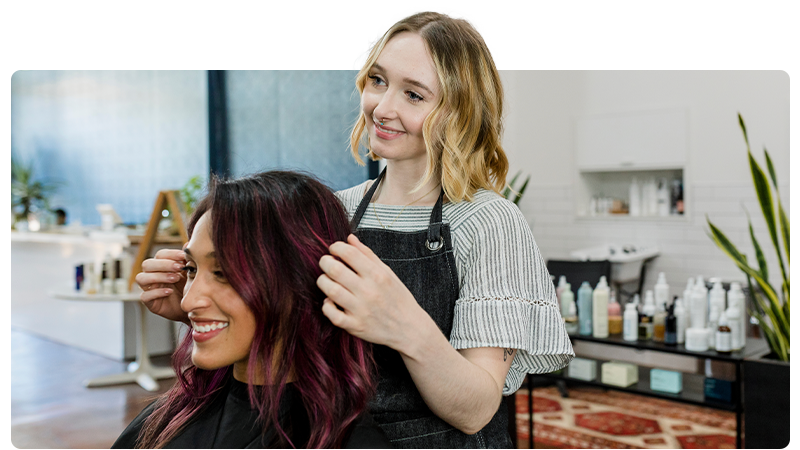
(129,436)
(350,197)
(487,214)
(367,434)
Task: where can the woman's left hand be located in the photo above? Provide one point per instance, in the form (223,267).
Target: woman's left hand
(373,304)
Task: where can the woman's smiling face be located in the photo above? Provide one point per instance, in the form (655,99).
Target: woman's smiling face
(222,325)
(402,90)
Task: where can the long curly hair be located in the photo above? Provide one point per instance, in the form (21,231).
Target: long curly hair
(269,232)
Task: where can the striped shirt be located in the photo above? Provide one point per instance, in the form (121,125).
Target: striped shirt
(506,298)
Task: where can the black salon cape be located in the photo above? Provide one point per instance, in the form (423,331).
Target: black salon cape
(229,422)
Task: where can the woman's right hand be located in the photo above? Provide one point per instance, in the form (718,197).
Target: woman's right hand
(162,282)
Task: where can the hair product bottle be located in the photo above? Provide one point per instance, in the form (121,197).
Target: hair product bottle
(716,296)
(631,323)
(600,309)
(562,280)
(571,320)
(646,321)
(566,297)
(713,323)
(736,297)
(732,315)
(659,323)
(120,283)
(723,335)
(614,315)
(699,301)
(634,199)
(682,320)
(671,326)
(585,308)
(661,291)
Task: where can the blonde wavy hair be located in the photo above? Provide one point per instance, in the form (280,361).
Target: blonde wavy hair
(462,133)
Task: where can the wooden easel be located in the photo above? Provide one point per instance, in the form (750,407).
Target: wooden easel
(164,198)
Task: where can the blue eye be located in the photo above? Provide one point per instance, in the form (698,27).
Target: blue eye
(376,80)
(414,97)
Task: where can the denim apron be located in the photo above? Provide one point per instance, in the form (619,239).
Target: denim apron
(424,261)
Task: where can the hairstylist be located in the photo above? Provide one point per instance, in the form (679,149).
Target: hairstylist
(443,272)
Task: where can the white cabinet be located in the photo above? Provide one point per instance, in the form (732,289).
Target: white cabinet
(646,140)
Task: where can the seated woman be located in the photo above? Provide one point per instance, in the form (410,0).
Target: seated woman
(262,366)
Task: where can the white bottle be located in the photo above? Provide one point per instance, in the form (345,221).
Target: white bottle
(661,290)
(600,309)
(653,198)
(630,323)
(681,320)
(713,324)
(733,318)
(567,300)
(562,280)
(663,198)
(716,297)
(698,305)
(687,293)
(736,296)
(634,199)
(649,308)
(722,338)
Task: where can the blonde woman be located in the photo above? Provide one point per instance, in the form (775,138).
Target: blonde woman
(442,273)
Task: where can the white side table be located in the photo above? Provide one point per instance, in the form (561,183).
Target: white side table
(141,371)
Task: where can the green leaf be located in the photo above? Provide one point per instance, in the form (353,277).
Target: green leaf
(744,131)
(762,262)
(771,170)
(764,194)
(522,190)
(784,229)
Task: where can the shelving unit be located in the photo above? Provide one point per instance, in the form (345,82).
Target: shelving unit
(690,394)
(613,149)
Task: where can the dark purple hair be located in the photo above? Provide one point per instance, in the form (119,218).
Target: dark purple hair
(269,232)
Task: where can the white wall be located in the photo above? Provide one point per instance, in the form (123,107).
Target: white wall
(541,108)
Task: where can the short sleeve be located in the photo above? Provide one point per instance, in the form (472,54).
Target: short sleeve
(506,296)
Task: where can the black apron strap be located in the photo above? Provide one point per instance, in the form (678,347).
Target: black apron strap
(362,207)
(435,240)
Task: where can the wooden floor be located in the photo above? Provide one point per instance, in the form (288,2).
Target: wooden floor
(50,408)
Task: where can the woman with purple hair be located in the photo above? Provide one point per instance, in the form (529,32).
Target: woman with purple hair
(262,366)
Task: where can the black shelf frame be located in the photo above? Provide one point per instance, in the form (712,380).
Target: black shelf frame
(754,348)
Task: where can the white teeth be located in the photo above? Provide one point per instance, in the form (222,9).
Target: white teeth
(207,328)
(387,131)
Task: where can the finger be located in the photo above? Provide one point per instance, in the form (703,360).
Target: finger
(334,314)
(335,291)
(355,242)
(171,253)
(339,272)
(352,256)
(144,279)
(156,294)
(162,265)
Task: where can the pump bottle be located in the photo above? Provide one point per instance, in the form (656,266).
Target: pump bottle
(585,308)
(661,291)
(736,297)
(682,321)
(567,299)
(631,323)
(600,309)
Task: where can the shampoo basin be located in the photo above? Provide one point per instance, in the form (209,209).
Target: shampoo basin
(626,260)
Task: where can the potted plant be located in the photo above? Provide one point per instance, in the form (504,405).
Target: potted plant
(27,194)
(766,380)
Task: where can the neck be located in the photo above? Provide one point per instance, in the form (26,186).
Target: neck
(399,182)
(240,374)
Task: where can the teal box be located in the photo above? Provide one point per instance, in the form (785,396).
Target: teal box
(666,381)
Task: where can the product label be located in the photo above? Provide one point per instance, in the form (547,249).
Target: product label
(723,342)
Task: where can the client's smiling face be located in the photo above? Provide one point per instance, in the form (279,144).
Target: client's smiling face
(222,325)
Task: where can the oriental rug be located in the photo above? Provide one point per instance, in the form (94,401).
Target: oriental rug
(597,418)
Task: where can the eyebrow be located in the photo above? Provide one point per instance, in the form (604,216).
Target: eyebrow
(208,255)
(406,80)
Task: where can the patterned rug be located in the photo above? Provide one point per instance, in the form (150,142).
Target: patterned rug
(596,418)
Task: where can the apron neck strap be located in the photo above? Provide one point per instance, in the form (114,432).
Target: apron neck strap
(362,207)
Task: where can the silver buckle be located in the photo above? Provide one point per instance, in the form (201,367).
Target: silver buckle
(435,246)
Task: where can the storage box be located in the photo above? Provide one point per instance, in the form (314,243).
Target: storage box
(718,389)
(620,374)
(666,381)
(582,369)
